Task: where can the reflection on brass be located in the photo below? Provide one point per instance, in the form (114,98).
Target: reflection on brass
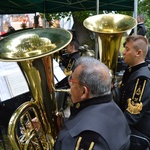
(32,45)
(110,29)
(33,53)
(62,90)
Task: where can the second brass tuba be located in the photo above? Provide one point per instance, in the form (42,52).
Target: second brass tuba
(110,29)
(33,51)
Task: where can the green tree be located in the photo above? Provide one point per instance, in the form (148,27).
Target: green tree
(87,37)
(83,35)
(144,8)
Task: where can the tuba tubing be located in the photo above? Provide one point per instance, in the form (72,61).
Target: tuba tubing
(36,63)
(39,75)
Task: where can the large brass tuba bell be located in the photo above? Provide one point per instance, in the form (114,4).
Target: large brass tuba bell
(110,29)
(32,50)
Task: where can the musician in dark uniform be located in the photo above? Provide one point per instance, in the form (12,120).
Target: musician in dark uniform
(73,54)
(96,122)
(68,62)
(135,91)
(141,30)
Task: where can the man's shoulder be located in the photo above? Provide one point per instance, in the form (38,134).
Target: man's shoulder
(143,72)
(75,55)
(142,26)
(87,118)
(141,29)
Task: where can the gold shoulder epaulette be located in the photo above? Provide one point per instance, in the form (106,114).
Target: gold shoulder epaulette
(135,103)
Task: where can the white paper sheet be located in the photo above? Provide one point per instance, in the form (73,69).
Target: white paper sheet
(12,81)
(58,73)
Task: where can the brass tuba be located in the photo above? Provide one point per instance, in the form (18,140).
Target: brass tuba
(110,29)
(32,50)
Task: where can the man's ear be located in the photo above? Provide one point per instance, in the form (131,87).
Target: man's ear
(86,93)
(73,47)
(139,52)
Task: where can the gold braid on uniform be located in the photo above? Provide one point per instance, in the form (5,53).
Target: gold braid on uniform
(68,69)
(135,104)
(86,140)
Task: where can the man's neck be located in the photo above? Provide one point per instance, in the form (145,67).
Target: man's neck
(74,51)
(137,63)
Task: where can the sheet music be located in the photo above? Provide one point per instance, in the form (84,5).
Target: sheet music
(8,67)
(4,90)
(12,81)
(58,73)
(16,83)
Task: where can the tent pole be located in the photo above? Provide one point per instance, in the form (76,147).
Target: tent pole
(1,24)
(96,37)
(97,7)
(44,19)
(135,14)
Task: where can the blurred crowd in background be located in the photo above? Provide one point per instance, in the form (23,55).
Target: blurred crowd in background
(11,23)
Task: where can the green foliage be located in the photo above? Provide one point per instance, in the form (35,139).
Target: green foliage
(82,15)
(56,16)
(144,8)
(79,15)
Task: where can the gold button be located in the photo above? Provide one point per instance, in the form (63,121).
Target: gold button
(130,69)
(77,105)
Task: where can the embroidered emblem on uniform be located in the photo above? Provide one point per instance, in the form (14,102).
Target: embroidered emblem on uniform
(78,143)
(134,104)
(77,105)
(68,69)
(91,145)
(134,108)
(138,91)
(70,64)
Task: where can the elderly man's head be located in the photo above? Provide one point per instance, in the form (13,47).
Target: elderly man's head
(91,78)
(140,18)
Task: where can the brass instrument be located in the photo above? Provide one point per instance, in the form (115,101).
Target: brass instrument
(110,29)
(32,49)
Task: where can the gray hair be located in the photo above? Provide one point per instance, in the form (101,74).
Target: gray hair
(141,16)
(95,75)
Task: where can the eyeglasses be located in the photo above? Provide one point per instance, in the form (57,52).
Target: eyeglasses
(70,81)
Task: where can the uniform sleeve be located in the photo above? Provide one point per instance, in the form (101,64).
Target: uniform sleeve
(141,30)
(86,140)
(90,140)
(138,100)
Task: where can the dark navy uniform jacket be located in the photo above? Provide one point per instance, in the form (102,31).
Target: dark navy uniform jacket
(95,124)
(135,99)
(141,30)
(69,64)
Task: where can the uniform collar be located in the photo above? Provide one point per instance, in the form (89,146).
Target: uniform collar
(77,107)
(140,23)
(74,53)
(134,68)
